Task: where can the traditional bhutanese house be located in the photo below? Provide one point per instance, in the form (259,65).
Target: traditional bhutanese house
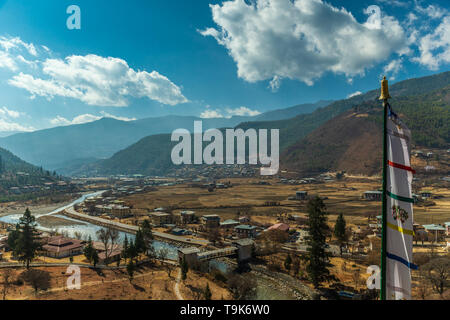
(211,220)
(160,218)
(114,253)
(229,224)
(244,219)
(113,256)
(189,254)
(301,195)
(245,231)
(60,247)
(279,226)
(435,229)
(373,195)
(447,227)
(187,216)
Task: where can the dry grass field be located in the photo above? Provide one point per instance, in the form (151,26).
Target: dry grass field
(147,284)
(248,198)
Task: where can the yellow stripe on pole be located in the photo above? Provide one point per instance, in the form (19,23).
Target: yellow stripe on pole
(400,229)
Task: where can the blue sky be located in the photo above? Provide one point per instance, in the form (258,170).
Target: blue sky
(135,59)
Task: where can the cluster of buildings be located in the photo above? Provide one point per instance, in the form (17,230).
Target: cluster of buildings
(57,186)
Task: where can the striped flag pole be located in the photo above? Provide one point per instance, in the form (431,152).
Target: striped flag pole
(384,96)
(397,215)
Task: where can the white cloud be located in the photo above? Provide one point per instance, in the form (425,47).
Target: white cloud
(434,47)
(354,94)
(6,125)
(275,83)
(302,39)
(83,118)
(99,81)
(16,43)
(207,114)
(432,11)
(393,68)
(7,61)
(216,113)
(242,111)
(5,112)
(109,115)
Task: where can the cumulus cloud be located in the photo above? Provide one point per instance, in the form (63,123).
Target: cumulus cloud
(109,115)
(99,81)
(6,125)
(8,120)
(434,47)
(85,118)
(432,11)
(302,39)
(216,113)
(392,68)
(16,43)
(354,94)
(82,118)
(242,111)
(4,111)
(207,114)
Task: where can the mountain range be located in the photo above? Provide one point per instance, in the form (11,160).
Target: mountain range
(345,135)
(67,147)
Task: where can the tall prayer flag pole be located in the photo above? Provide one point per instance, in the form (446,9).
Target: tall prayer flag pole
(397,216)
(384,96)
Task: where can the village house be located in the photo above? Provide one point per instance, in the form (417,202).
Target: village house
(244,219)
(60,247)
(160,218)
(114,253)
(436,232)
(229,224)
(301,195)
(373,195)
(211,221)
(245,231)
(279,226)
(187,216)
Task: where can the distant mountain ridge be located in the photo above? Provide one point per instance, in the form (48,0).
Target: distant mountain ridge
(344,135)
(61,148)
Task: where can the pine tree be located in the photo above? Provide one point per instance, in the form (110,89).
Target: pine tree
(184,269)
(207,293)
(125,249)
(27,244)
(339,231)
(288,262)
(318,265)
(130,270)
(139,243)
(89,250)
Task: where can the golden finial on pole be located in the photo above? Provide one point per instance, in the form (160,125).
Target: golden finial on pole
(384,89)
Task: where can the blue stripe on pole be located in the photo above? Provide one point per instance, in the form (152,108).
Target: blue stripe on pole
(400,259)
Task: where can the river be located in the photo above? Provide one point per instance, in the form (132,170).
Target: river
(84,228)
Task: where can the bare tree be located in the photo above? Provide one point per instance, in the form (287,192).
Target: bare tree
(437,272)
(356,276)
(7,276)
(109,239)
(162,255)
(38,279)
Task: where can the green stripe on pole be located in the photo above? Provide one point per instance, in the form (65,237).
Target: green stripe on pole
(400,198)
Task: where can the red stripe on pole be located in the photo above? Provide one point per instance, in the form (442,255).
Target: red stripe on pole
(400,166)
